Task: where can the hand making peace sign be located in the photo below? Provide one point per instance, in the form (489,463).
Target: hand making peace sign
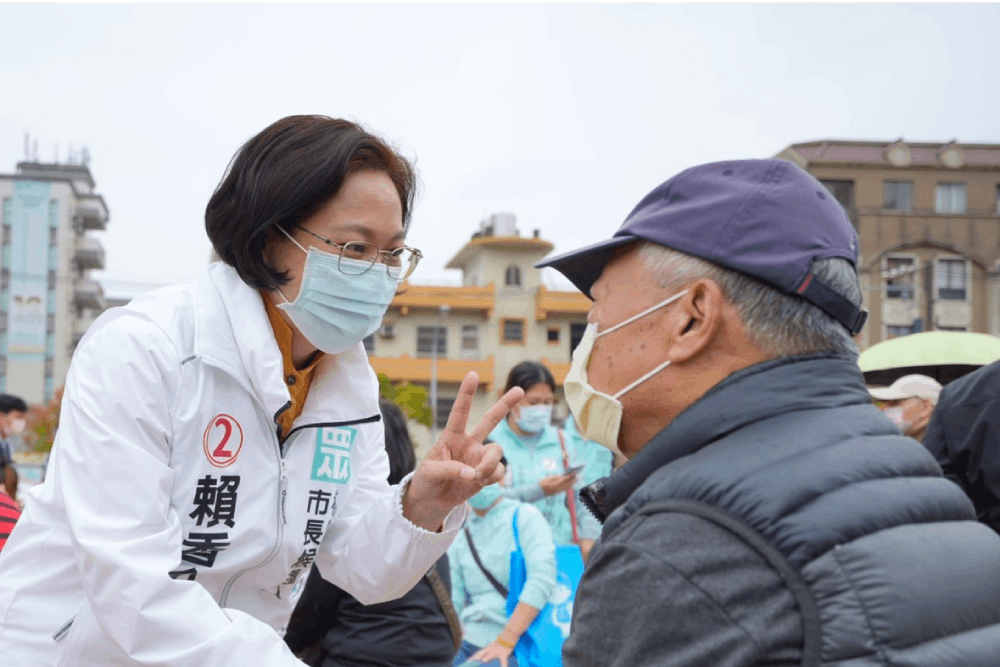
(458,465)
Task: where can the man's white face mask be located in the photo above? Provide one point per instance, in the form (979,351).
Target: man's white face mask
(599,415)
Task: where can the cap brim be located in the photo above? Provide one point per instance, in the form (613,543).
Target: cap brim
(584,266)
(887,394)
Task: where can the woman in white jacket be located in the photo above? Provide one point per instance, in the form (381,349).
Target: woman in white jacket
(217,438)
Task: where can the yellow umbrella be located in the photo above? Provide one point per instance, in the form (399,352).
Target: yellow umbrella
(942,355)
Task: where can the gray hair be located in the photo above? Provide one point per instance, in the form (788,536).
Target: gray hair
(778,324)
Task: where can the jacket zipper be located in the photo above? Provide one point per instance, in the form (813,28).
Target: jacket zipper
(281,522)
(281,491)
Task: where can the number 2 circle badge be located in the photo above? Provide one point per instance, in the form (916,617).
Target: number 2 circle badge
(223,441)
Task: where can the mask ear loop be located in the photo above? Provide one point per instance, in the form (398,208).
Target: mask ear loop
(642,314)
(642,379)
(282,230)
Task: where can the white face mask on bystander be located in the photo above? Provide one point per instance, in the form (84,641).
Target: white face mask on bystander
(599,415)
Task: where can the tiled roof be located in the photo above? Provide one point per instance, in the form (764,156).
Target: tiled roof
(875,152)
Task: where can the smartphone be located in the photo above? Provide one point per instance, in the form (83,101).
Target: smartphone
(575,470)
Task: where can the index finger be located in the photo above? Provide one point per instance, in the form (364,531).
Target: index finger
(495,414)
(458,419)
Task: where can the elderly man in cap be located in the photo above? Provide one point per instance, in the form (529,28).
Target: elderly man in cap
(768,514)
(908,403)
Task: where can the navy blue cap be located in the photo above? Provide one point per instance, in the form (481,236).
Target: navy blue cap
(765,218)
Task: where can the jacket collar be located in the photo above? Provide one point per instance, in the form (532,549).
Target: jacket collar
(232,331)
(227,305)
(761,391)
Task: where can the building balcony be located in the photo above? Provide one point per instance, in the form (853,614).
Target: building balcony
(418,369)
(92,215)
(89,294)
(89,253)
(80,326)
(433,297)
(559,369)
(549,303)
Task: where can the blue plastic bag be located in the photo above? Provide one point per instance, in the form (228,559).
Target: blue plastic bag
(541,645)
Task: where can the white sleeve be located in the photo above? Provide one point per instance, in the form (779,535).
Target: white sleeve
(112,469)
(371,550)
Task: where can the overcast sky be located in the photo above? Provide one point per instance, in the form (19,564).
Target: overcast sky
(565,115)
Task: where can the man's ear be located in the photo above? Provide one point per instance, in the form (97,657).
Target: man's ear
(696,320)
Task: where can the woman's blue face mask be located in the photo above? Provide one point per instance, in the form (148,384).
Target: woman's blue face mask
(336,311)
(486,497)
(534,418)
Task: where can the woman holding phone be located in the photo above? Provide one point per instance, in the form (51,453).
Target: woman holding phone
(545,467)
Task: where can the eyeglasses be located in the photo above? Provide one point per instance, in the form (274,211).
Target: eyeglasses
(399,263)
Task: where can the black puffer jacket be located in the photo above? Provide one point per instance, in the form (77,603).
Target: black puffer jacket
(783,520)
(964,437)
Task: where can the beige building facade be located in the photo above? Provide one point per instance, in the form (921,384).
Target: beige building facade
(928,221)
(49,214)
(502,314)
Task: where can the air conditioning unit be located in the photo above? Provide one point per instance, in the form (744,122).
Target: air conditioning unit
(387,331)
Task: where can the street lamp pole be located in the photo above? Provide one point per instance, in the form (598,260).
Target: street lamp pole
(443,310)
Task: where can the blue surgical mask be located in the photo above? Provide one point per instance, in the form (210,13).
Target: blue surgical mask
(333,310)
(486,497)
(534,418)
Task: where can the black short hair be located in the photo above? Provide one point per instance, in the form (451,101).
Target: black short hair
(10,403)
(527,374)
(285,174)
(399,447)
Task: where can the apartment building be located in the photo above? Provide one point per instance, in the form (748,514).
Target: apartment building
(928,220)
(500,315)
(48,213)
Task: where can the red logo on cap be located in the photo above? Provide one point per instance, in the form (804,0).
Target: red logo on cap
(223,441)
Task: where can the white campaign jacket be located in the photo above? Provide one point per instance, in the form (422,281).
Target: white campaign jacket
(172,527)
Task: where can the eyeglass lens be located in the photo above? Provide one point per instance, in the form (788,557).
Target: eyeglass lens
(400,263)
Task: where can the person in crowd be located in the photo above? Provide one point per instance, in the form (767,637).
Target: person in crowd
(330,628)
(10,512)
(908,403)
(545,467)
(769,514)
(600,461)
(13,411)
(480,576)
(233,427)
(964,437)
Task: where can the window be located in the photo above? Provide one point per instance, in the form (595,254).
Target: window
(369,343)
(899,278)
(896,331)
(843,192)
(444,406)
(998,200)
(951,279)
(553,335)
(470,341)
(512,331)
(426,338)
(896,196)
(513,276)
(576,334)
(950,198)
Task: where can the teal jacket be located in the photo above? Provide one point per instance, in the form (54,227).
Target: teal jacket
(480,607)
(528,463)
(600,461)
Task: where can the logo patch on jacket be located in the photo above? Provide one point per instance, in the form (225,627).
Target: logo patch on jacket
(332,460)
(223,441)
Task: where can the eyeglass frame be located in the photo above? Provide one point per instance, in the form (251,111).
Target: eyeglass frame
(341,246)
